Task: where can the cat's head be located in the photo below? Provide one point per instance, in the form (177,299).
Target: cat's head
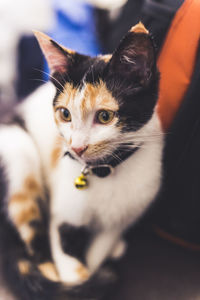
(102,102)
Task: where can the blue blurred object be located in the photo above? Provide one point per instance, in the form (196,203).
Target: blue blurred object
(75,26)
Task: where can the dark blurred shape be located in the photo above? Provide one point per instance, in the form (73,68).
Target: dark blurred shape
(154,269)
(156,16)
(112,30)
(179,205)
(30,66)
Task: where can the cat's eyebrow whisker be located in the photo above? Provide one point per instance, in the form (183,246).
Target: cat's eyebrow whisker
(65,80)
(92,73)
(37,79)
(52,77)
(43,81)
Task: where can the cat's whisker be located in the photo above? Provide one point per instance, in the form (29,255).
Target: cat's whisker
(37,79)
(52,77)
(92,73)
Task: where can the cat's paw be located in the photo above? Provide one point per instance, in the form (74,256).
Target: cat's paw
(74,275)
(119,250)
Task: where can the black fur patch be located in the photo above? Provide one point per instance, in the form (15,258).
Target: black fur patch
(132,78)
(77,67)
(3,184)
(75,240)
(136,104)
(96,71)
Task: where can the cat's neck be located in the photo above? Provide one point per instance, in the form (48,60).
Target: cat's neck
(104,168)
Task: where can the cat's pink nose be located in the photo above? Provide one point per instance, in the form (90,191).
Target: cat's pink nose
(79,151)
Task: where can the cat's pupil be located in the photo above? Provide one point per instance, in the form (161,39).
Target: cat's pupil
(105,116)
(65,113)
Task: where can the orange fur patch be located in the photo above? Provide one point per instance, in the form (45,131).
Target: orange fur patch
(31,185)
(106,57)
(56,152)
(49,271)
(92,149)
(70,51)
(24,267)
(23,208)
(83,272)
(67,95)
(139,28)
(97,97)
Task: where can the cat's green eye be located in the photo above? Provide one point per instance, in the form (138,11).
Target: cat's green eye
(65,114)
(104,116)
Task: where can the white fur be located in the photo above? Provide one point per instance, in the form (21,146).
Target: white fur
(18,152)
(38,113)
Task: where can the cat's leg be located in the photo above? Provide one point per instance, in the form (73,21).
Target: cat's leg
(20,159)
(69,268)
(101,248)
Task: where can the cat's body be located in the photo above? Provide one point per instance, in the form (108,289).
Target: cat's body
(35,159)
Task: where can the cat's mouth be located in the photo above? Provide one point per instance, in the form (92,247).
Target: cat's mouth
(85,160)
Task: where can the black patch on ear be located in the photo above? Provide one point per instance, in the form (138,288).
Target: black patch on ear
(132,78)
(134,58)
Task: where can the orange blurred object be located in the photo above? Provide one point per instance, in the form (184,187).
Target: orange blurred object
(177,59)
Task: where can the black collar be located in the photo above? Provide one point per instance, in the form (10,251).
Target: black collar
(100,169)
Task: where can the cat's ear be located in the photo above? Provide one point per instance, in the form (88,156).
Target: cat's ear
(134,59)
(58,57)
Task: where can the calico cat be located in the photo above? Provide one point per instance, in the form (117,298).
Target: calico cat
(92,139)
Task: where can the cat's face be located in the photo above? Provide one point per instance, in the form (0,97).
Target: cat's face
(103,102)
(88,119)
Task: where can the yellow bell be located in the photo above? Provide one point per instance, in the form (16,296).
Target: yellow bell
(81,182)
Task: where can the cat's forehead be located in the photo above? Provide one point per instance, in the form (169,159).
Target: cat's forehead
(87,98)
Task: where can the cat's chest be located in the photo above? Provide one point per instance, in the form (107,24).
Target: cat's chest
(81,206)
(116,199)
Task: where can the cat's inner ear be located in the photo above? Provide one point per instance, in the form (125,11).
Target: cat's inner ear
(58,57)
(134,59)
